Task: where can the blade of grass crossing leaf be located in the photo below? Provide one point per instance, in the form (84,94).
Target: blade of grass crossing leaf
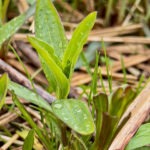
(30,121)
(59,81)
(24,67)
(48,26)
(3,89)
(29,141)
(11,27)
(76,43)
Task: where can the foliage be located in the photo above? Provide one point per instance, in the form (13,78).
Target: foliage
(109,110)
(68,123)
(11,27)
(141,138)
(3,89)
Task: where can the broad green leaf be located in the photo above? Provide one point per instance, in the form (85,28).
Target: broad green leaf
(141,138)
(53,72)
(29,119)
(75,114)
(3,89)
(11,27)
(48,26)
(28,95)
(101,106)
(29,141)
(76,43)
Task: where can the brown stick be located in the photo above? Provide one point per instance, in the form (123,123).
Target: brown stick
(21,79)
(139,109)
(28,52)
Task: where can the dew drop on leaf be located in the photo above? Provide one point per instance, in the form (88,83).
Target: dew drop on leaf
(84,116)
(79,110)
(58,106)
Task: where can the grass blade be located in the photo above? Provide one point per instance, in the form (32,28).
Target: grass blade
(30,121)
(29,141)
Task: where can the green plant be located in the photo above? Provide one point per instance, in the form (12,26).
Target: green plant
(58,58)
(68,123)
(141,138)
(11,27)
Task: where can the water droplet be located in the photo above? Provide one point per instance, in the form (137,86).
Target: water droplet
(58,106)
(65,119)
(87,127)
(32,94)
(81,33)
(84,116)
(60,45)
(40,26)
(63,113)
(76,127)
(79,110)
(88,24)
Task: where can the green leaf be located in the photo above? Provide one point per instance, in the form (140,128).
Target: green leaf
(53,72)
(48,26)
(141,138)
(3,89)
(43,46)
(76,43)
(28,95)
(29,119)
(101,106)
(108,129)
(8,29)
(29,141)
(75,114)
(120,100)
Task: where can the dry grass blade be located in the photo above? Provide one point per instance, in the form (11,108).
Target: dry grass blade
(130,61)
(10,142)
(70,9)
(8,117)
(115,31)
